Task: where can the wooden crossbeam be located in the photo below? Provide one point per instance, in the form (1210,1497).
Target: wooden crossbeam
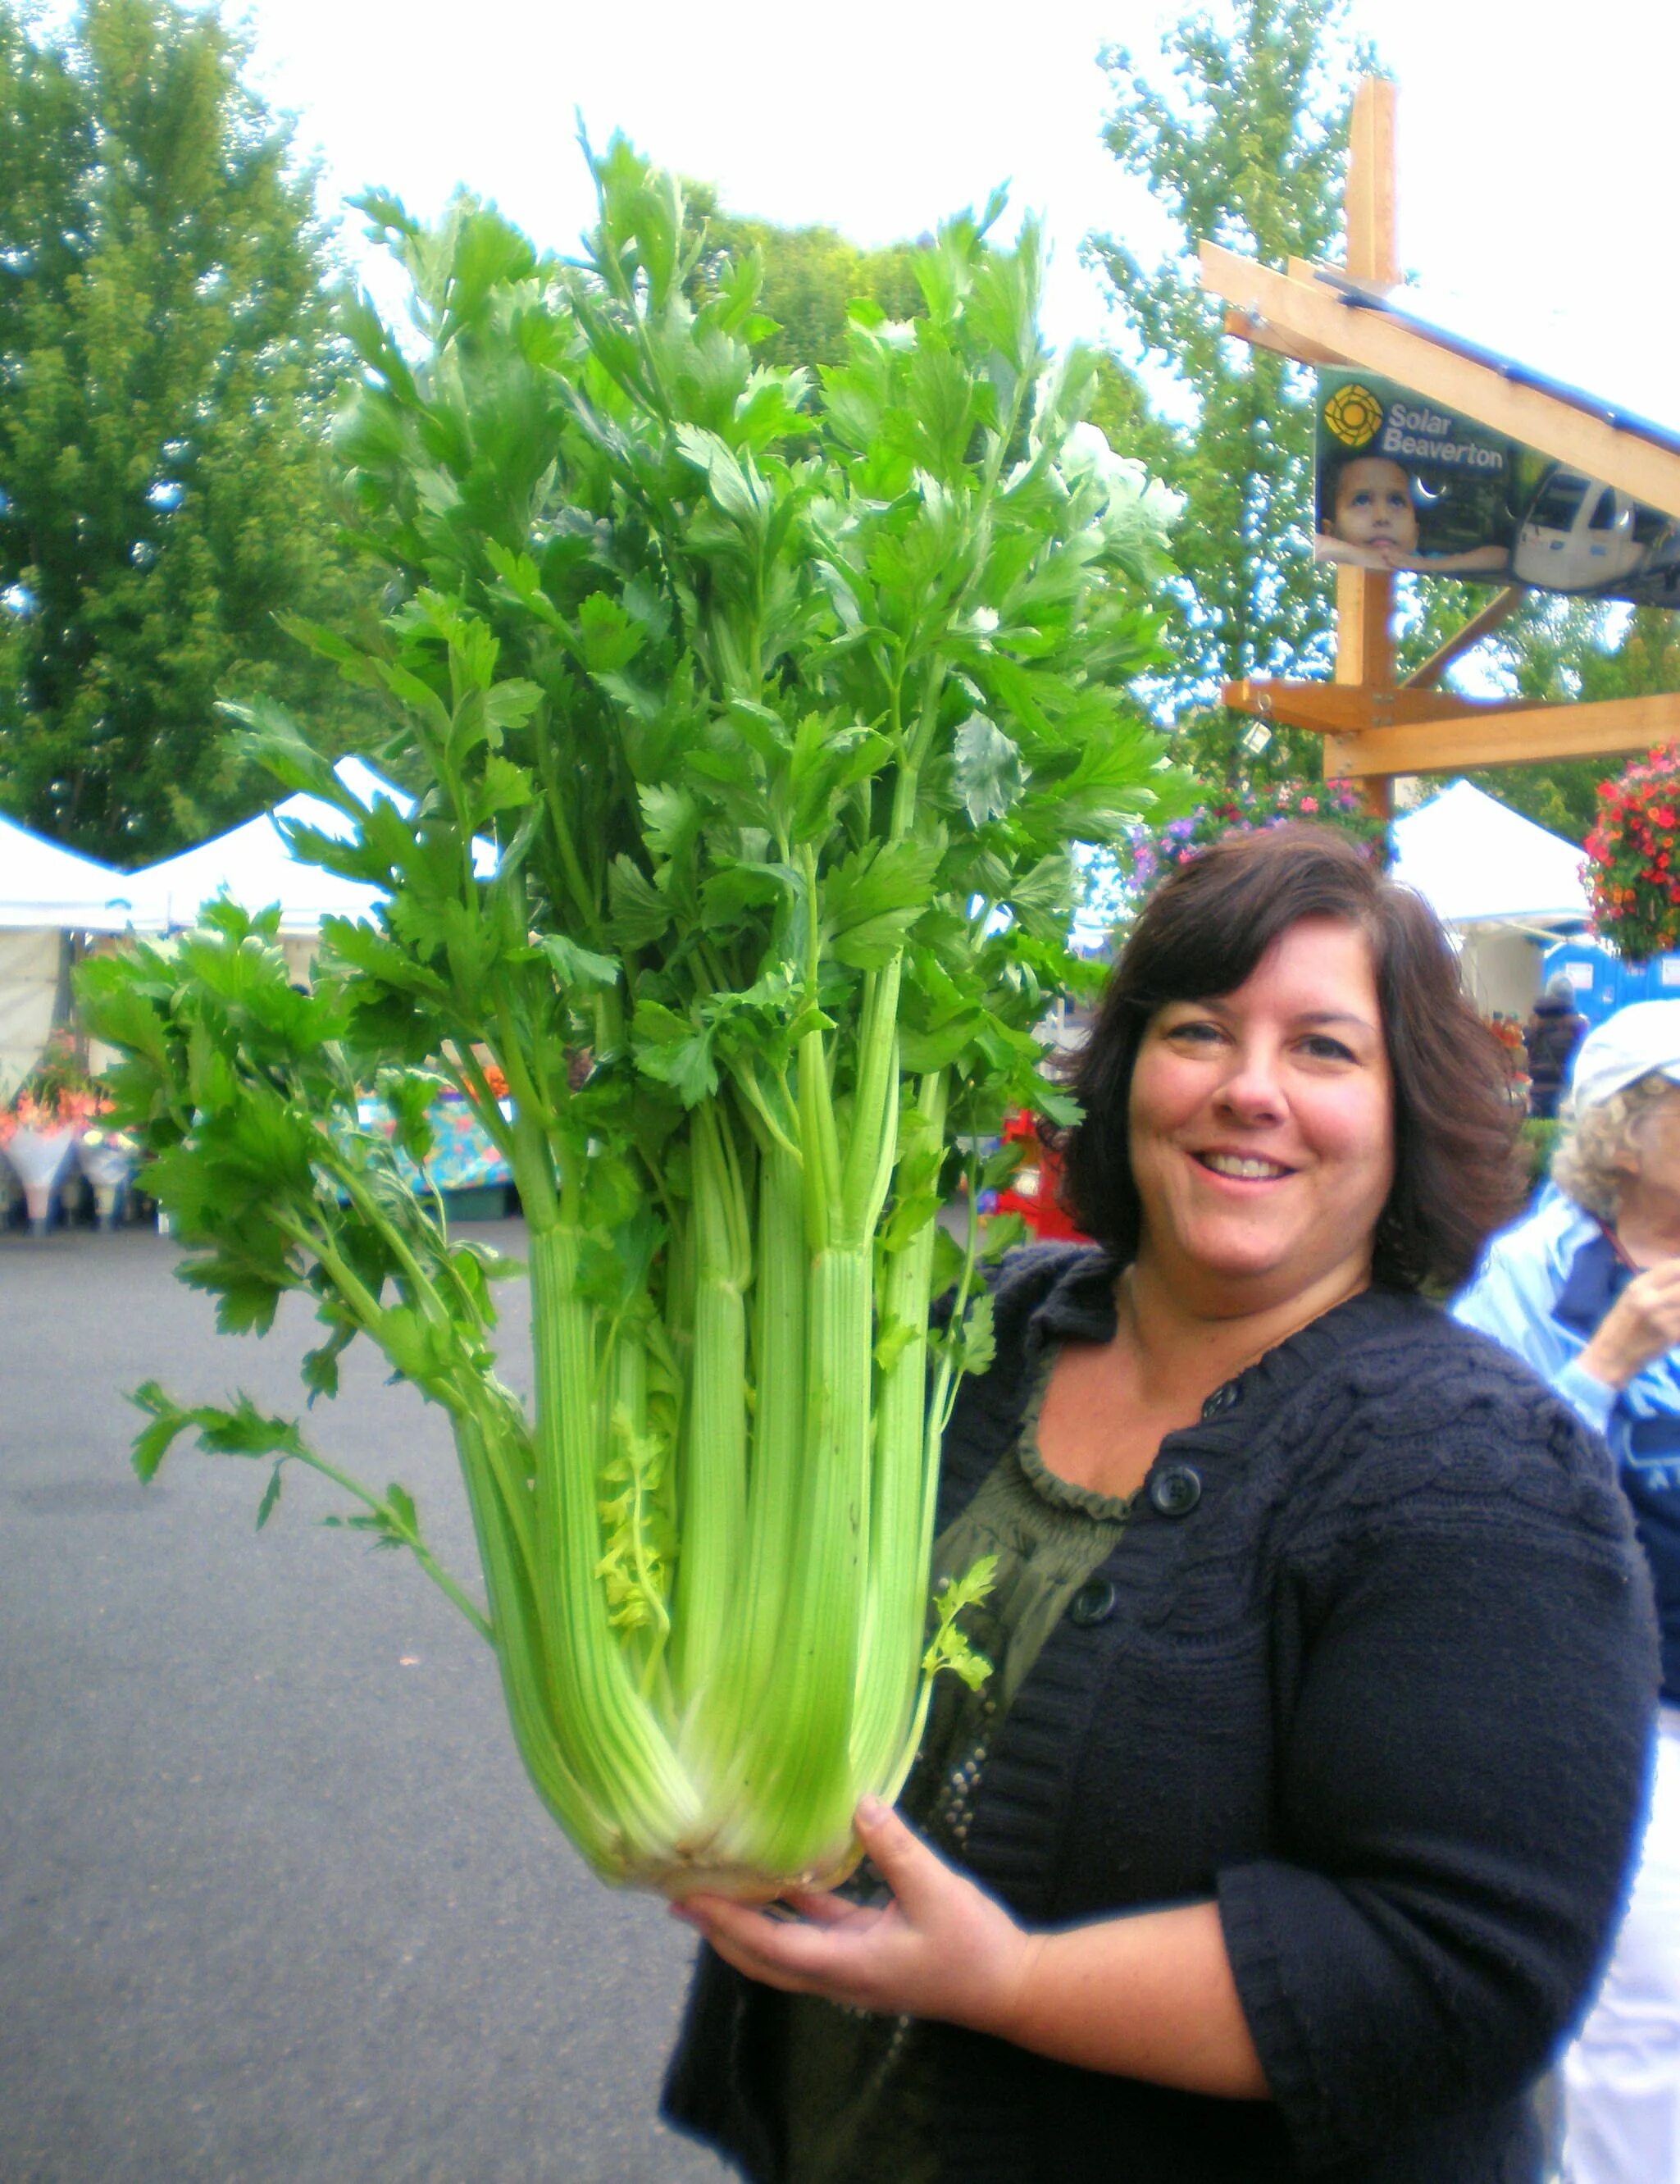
(1519,735)
(1310,310)
(1498,609)
(1260,333)
(1349,708)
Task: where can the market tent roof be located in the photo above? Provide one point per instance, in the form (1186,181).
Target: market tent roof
(1477,862)
(254,865)
(43,885)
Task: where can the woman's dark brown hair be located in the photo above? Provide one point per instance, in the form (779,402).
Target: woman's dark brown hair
(1202,932)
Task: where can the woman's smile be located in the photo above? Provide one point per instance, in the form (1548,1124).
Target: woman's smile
(1244,1168)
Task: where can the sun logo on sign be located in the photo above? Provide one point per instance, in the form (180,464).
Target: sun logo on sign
(1354,414)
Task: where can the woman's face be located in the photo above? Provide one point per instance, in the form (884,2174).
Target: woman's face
(1654,1159)
(1261,1127)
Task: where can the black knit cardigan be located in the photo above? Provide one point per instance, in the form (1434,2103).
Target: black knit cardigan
(1378,1675)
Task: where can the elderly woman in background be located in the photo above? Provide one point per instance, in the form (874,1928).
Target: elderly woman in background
(1587,1290)
(1284,1840)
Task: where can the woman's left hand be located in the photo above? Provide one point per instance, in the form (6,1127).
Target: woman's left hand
(941,1949)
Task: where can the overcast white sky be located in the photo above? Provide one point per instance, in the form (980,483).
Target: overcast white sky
(1538,167)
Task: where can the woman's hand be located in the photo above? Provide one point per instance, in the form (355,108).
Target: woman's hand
(941,1949)
(1147,1995)
(1642,1323)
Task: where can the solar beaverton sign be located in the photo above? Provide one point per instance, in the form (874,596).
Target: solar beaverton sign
(1442,458)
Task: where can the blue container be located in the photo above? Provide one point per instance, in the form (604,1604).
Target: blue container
(1604,983)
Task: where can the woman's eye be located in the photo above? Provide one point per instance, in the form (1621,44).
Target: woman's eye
(1194,1032)
(1323,1047)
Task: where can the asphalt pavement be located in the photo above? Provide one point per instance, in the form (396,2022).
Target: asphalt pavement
(277,1905)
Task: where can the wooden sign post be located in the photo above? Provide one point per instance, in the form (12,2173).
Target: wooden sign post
(1374,728)
(1364,597)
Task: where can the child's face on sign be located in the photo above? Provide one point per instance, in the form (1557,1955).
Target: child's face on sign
(1373,505)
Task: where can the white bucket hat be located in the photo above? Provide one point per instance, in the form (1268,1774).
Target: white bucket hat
(1638,1041)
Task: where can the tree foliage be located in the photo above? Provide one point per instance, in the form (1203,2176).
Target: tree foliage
(164,366)
(1243,144)
(809,278)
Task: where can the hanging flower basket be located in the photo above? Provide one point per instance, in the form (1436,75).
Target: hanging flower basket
(1152,852)
(1632,867)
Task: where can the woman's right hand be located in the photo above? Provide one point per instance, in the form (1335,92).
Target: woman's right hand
(1642,1323)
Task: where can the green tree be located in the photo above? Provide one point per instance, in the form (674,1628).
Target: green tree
(1557,651)
(1242,143)
(164,368)
(810,277)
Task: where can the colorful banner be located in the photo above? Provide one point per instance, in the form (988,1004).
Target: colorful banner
(1401,483)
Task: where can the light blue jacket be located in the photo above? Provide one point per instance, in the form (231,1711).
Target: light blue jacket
(1541,1289)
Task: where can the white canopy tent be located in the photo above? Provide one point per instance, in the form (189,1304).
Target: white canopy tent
(42,885)
(1504,887)
(253,864)
(46,894)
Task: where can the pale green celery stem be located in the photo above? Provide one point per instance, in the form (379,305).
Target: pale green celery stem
(609,1022)
(801,1785)
(778,1363)
(901,1508)
(494,1413)
(607,1736)
(868,1168)
(420,1283)
(627,1380)
(768,1128)
(820,1139)
(941,1398)
(517,1634)
(712,1497)
(493,1476)
(533,1161)
(582,895)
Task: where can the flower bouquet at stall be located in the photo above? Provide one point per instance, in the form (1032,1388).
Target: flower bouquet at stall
(42,1124)
(1632,867)
(106,1157)
(783,703)
(38,1137)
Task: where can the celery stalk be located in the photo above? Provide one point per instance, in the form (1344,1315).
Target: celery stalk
(779,704)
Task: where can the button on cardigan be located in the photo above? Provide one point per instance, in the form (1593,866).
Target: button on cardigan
(1382,1690)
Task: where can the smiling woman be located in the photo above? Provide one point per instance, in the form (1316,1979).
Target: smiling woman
(1285,1836)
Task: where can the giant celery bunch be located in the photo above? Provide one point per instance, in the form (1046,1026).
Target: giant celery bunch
(782,702)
